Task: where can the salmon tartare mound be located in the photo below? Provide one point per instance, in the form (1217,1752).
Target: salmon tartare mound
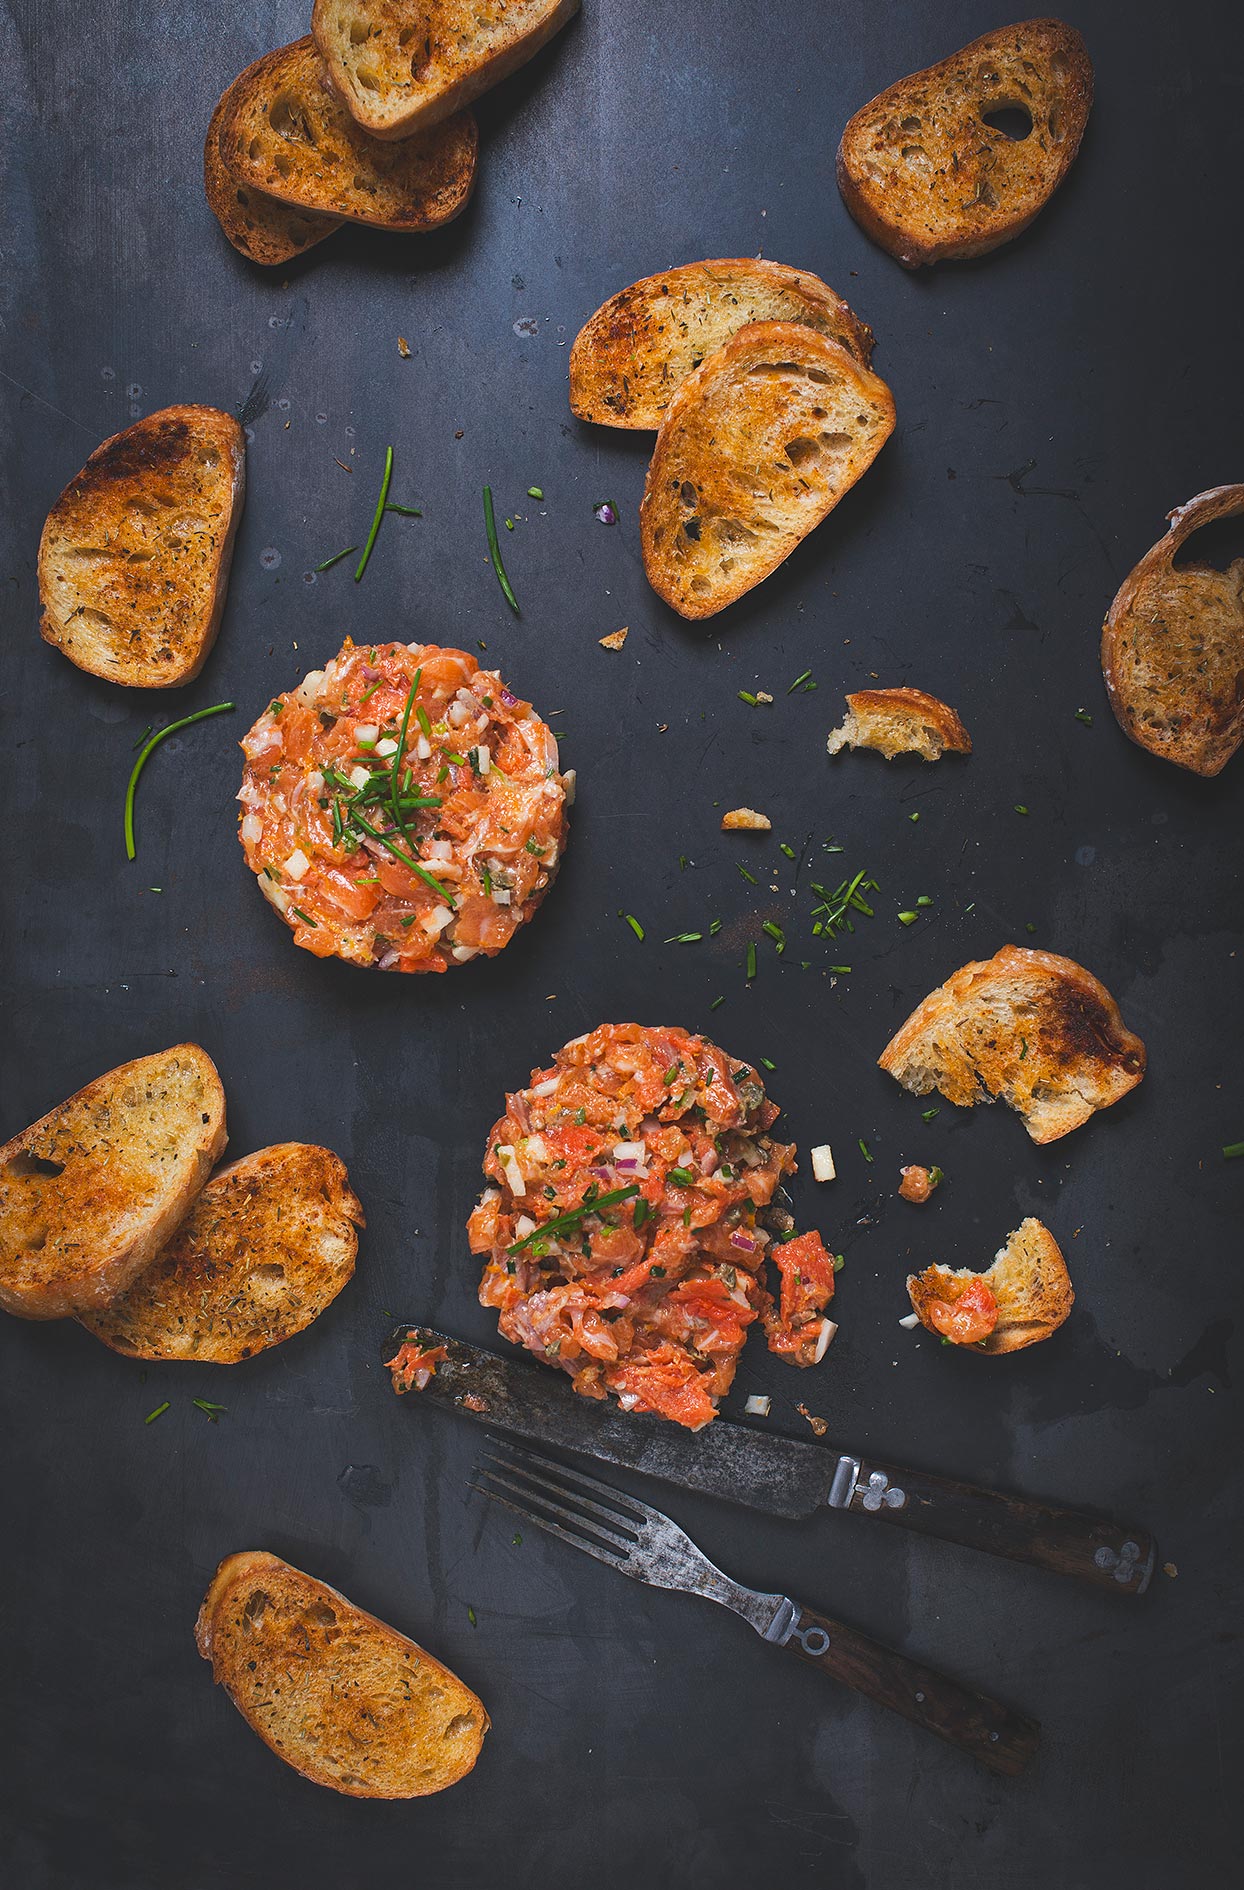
(623,1226)
(401,809)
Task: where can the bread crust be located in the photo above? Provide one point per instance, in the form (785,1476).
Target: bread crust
(1054,1046)
(1029,1280)
(723,458)
(1172,646)
(285,133)
(925,207)
(147,536)
(904,722)
(85,1202)
(341,1696)
(260,228)
(630,356)
(432,104)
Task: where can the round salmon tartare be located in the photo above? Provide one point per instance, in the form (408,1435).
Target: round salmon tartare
(401,809)
(624,1224)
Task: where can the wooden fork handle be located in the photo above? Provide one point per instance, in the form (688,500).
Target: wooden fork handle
(1000,1738)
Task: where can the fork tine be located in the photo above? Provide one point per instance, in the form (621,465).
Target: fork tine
(625,1543)
(619,1498)
(602,1554)
(518,1467)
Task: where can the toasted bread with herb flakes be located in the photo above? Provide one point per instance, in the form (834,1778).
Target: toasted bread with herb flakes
(1172,650)
(900,722)
(959,158)
(90,1193)
(285,132)
(631,355)
(347,1701)
(260,228)
(266,1247)
(1029,1027)
(402,65)
(757,446)
(1028,1282)
(134,558)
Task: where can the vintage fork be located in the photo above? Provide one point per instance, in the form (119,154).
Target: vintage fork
(641,1542)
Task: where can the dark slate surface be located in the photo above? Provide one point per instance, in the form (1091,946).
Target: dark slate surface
(1054,401)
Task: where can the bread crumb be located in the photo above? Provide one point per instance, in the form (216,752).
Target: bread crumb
(615,640)
(745,818)
(1168,1568)
(403,347)
(762,695)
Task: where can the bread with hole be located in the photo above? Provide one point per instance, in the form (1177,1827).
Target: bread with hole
(1172,648)
(631,355)
(1029,1028)
(757,446)
(1027,1282)
(284,132)
(265,1248)
(90,1193)
(400,67)
(134,558)
(342,1697)
(900,722)
(927,174)
(260,228)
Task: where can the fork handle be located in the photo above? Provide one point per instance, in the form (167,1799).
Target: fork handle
(1000,1738)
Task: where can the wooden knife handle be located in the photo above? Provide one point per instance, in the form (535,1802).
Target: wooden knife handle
(1068,1541)
(1001,1739)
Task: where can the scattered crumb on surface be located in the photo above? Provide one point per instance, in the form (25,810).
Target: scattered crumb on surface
(1168,1568)
(615,639)
(746,818)
(403,347)
(819,1424)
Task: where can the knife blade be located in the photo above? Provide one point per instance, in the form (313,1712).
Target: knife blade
(787,1476)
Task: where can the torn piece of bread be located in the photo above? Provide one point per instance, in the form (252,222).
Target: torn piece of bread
(900,722)
(1035,1029)
(260,228)
(745,820)
(959,158)
(134,557)
(343,1698)
(757,446)
(285,132)
(91,1192)
(400,67)
(1027,1294)
(630,356)
(265,1248)
(1172,650)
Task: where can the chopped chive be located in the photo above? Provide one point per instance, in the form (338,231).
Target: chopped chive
(414,866)
(924,900)
(788,851)
(714,927)
(634,924)
(684,938)
(721,1000)
(142,738)
(370,691)
(745,695)
(749,877)
(840,1261)
(534,492)
(864,1149)
(682,1177)
(914,816)
(471,1616)
(212,1411)
(1023,1048)
(509,524)
(927,1115)
(768,1066)
(751,961)
(1020,808)
(563,1223)
(158,1412)
(936,1177)
(1030,927)
(398,757)
(154,741)
(776,933)
(1082,715)
(381,502)
(843,969)
(908,918)
(682,862)
(798,682)
(336,558)
(1232,1149)
(494,552)
(407,511)
(305,917)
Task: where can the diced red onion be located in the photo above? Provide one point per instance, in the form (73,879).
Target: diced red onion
(742,1241)
(511,702)
(388,961)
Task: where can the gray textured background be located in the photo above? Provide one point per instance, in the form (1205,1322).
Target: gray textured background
(1054,401)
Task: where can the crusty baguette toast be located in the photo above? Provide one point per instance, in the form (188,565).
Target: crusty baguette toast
(629,356)
(757,446)
(265,1248)
(1172,649)
(260,228)
(90,1193)
(347,1701)
(135,554)
(900,722)
(402,65)
(1028,1278)
(1035,1029)
(285,132)
(927,176)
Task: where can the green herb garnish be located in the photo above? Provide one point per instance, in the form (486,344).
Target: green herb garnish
(684,938)
(864,1149)
(564,1223)
(381,502)
(211,1411)
(494,552)
(153,742)
(751,961)
(1232,1149)
(158,1412)
(635,926)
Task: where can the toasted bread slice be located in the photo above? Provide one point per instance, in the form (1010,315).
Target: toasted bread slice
(925,172)
(757,446)
(90,1193)
(1030,1027)
(260,228)
(1172,649)
(347,1701)
(400,67)
(1028,1279)
(900,722)
(629,357)
(134,558)
(285,132)
(266,1247)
